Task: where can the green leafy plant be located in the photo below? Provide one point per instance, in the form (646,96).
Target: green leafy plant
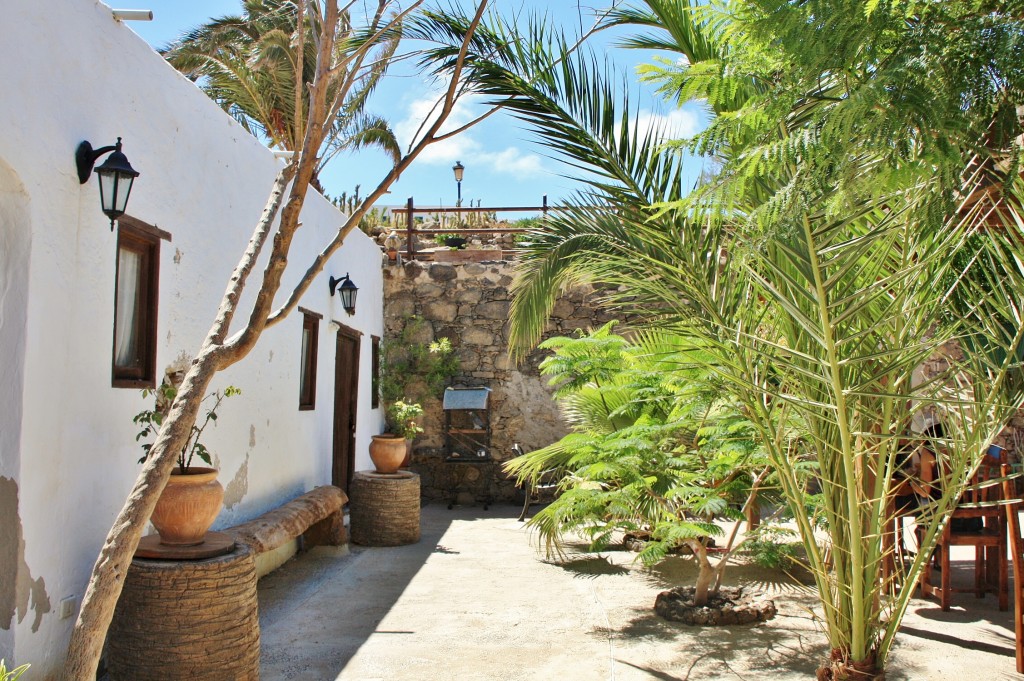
(150,421)
(657,450)
(534,224)
(818,265)
(13,674)
(402,418)
(404,361)
(219,56)
(443,240)
(771,546)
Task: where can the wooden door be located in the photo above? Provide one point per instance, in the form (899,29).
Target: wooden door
(346,401)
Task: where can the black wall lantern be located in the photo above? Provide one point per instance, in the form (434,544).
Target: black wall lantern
(346,291)
(116,176)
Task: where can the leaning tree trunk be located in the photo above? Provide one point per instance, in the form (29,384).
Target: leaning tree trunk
(119,548)
(706,573)
(115,557)
(218,352)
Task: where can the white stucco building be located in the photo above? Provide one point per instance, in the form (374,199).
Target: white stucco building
(70,72)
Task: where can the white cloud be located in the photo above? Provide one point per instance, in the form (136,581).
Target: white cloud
(465,146)
(509,161)
(427,109)
(449,151)
(677,123)
(512,161)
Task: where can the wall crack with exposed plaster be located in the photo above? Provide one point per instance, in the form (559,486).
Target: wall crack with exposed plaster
(239,485)
(19,593)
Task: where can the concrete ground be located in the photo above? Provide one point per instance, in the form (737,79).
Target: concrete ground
(473,600)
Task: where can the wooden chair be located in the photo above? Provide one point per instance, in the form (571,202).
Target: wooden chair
(894,552)
(548,481)
(981,505)
(1013,508)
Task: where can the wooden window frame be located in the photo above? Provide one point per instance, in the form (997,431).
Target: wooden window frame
(135,235)
(375,372)
(308,362)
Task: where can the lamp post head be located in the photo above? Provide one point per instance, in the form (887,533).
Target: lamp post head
(458,169)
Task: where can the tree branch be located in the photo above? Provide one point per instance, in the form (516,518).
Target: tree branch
(300,49)
(346,228)
(239,345)
(236,284)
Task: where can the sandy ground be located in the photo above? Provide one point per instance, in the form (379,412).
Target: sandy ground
(473,600)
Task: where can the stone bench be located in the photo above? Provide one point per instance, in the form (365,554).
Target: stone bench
(313,519)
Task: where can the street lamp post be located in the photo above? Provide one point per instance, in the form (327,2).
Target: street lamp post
(458,169)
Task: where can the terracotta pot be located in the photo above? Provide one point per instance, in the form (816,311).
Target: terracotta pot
(188,506)
(407,461)
(387,452)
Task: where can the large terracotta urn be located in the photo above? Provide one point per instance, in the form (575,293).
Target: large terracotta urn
(188,506)
(407,461)
(387,452)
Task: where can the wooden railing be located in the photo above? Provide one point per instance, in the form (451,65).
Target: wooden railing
(411,231)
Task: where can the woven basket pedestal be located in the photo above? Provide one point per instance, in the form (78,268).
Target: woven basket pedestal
(187,620)
(385,508)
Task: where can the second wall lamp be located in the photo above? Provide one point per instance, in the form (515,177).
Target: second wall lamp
(346,291)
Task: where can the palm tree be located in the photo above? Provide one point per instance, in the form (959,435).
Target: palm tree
(248,65)
(867,214)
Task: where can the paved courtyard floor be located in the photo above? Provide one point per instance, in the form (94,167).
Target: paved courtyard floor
(473,600)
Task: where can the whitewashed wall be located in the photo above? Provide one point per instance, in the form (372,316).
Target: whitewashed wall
(70,72)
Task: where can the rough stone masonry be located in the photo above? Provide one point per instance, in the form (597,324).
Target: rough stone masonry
(468,303)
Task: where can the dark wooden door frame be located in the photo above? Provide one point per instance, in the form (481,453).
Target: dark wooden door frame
(346,405)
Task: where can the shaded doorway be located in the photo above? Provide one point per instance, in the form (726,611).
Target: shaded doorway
(346,393)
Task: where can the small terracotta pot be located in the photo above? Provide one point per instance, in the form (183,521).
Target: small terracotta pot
(387,452)
(188,506)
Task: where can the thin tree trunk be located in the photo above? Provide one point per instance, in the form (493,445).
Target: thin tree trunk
(705,572)
(118,549)
(115,557)
(107,579)
(218,351)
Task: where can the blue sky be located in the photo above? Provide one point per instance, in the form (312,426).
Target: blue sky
(503,167)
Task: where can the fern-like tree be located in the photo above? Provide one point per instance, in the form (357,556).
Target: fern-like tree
(867,217)
(657,450)
(255,66)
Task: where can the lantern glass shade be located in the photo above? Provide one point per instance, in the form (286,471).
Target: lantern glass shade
(458,169)
(115,177)
(347,292)
(114,191)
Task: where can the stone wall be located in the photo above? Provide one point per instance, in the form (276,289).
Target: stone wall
(468,303)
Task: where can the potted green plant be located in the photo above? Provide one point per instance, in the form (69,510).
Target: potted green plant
(390,451)
(192,497)
(452,241)
(411,370)
(403,419)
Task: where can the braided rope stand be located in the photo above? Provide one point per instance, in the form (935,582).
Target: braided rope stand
(385,508)
(187,620)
